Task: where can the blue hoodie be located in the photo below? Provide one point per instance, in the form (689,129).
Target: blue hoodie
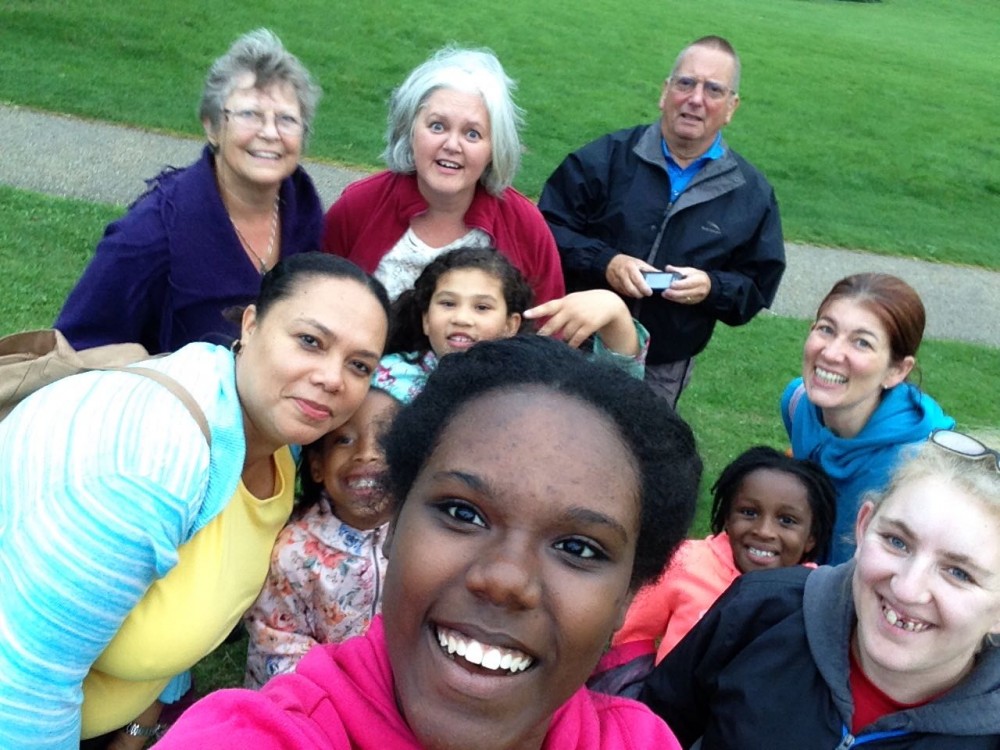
(865,462)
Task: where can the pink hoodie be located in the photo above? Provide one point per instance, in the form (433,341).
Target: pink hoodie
(341,697)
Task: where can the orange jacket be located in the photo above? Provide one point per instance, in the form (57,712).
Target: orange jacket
(665,611)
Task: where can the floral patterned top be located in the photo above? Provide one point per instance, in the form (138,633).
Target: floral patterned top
(324,586)
(400,267)
(403,376)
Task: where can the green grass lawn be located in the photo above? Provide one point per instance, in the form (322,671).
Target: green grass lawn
(732,403)
(876,122)
(44,245)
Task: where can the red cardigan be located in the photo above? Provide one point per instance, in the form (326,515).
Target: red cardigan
(373,214)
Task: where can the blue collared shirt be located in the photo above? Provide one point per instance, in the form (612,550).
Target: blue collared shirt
(680,178)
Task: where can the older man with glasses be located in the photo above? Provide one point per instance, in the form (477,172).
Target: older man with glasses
(673,197)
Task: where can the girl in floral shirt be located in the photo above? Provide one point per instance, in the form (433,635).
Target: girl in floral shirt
(325,580)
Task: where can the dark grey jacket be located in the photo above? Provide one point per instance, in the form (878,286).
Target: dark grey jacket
(768,667)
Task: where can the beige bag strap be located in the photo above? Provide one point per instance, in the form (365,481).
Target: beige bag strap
(31,360)
(178,390)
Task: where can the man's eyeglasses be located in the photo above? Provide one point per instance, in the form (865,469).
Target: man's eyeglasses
(255,120)
(963,445)
(687,84)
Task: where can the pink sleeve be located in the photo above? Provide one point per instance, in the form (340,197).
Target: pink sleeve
(653,608)
(696,587)
(626,724)
(240,719)
(647,617)
(684,619)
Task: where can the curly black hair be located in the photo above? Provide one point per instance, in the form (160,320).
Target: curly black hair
(406,330)
(662,444)
(819,490)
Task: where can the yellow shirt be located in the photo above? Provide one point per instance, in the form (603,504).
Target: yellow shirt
(190,611)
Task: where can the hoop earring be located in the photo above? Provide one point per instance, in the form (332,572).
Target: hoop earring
(236,347)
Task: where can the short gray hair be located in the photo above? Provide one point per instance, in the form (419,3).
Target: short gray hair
(260,53)
(718,43)
(475,71)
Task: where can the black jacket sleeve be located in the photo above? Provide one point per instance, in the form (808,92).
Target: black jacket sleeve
(572,196)
(708,683)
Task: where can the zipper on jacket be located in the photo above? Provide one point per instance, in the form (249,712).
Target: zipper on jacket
(848,740)
(659,235)
(876,736)
(634,305)
(378,574)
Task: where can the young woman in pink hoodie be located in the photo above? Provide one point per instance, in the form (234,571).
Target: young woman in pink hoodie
(537,491)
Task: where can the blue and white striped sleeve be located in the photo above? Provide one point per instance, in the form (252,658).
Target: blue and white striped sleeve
(101,478)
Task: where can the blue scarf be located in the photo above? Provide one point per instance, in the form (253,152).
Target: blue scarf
(865,462)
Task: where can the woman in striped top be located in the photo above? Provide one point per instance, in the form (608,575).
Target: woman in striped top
(129,547)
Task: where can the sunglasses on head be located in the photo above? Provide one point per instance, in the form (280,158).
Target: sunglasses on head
(963,445)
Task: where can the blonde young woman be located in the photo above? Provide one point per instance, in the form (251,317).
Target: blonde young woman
(893,649)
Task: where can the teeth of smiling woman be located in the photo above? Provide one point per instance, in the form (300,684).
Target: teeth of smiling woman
(893,618)
(830,377)
(474,653)
(754,552)
(492,659)
(363,484)
(449,164)
(483,655)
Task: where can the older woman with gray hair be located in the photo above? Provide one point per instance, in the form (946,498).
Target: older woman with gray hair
(453,150)
(200,238)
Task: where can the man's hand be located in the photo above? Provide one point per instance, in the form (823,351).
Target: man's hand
(690,290)
(624,274)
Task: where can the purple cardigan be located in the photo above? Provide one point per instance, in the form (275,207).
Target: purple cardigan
(163,273)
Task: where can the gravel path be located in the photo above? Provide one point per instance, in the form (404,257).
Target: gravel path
(105,163)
